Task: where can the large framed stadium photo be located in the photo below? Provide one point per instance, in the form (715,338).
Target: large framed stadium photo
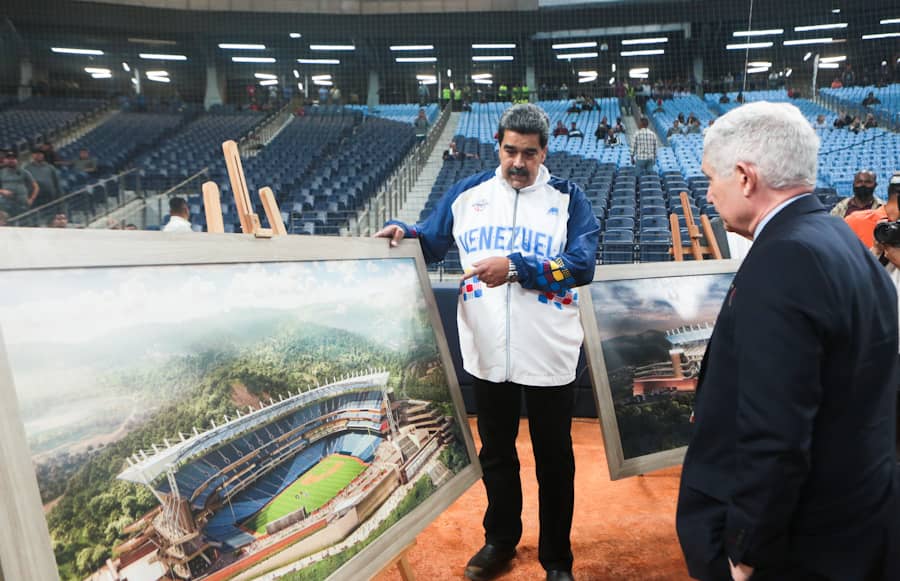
(646,329)
(201,406)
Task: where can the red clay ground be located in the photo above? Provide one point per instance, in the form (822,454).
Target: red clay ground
(623,530)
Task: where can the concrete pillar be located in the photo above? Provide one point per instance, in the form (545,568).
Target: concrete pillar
(26,73)
(531,83)
(372,99)
(215,86)
(698,73)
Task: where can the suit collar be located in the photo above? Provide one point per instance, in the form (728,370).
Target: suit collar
(806,205)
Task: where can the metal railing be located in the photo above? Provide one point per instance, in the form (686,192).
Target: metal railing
(391,197)
(262,134)
(151,212)
(86,204)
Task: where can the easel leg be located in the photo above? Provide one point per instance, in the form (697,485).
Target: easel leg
(406,572)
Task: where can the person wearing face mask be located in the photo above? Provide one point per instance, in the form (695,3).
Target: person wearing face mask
(864,222)
(526,240)
(863,198)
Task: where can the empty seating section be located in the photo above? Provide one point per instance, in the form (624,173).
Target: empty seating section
(31,122)
(401,113)
(197,146)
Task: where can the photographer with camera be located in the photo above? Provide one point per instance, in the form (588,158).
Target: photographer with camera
(865,223)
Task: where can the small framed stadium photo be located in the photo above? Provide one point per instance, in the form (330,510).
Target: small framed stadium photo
(646,327)
(187,406)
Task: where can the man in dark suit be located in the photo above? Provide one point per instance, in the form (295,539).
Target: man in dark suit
(791,474)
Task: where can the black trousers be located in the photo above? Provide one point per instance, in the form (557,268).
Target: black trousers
(550,423)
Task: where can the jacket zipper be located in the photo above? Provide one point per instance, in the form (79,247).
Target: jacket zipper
(509,290)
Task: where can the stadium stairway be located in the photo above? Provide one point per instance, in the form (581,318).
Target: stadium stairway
(84,128)
(417,197)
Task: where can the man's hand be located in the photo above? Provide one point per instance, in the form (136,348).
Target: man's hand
(740,572)
(5,192)
(392,231)
(491,271)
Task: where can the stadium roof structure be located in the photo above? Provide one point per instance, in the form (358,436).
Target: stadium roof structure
(148,469)
(689,334)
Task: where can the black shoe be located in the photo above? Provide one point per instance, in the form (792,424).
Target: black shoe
(488,562)
(555,575)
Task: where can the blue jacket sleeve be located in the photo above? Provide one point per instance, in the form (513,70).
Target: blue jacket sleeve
(435,234)
(575,266)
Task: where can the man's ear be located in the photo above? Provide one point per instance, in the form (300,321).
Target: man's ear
(747,177)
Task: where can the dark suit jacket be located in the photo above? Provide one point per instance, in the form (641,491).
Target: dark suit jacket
(791,467)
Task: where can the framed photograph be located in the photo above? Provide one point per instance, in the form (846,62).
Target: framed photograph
(187,406)
(646,328)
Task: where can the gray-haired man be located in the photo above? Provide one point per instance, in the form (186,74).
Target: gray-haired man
(526,240)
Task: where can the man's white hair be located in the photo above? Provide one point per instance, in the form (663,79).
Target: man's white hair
(774,137)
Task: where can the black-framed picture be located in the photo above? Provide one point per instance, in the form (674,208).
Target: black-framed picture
(646,330)
(188,406)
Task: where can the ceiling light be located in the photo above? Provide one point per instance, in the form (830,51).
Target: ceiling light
(416,59)
(449,73)
(643,52)
(399,47)
(159,79)
(746,45)
(96,70)
(577,55)
(483,81)
(890,21)
(587,79)
(332,47)
(252,59)
(490,46)
(429,81)
(586,73)
(757,70)
(152,56)
(829,66)
(319,61)
(567,45)
(809,41)
(612,80)
(759,64)
(425,77)
(295,35)
(639,71)
(788,72)
(833,59)
(126,68)
(230,46)
(323,83)
(836,11)
(157,73)
(656,40)
(86,51)
(296,74)
(268,82)
(264,76)
(806,56)
(482,76)
(479,59)
(101,75)
(883,35)
(820,27)
(758,32)
(614,67)
(321,77)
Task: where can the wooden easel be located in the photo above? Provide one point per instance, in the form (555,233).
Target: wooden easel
(244,207)
(406,572)
(697,250)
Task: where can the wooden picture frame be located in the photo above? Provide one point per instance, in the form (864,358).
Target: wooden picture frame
(32,261)
(629,313)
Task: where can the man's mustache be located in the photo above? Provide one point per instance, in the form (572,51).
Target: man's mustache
(518,171)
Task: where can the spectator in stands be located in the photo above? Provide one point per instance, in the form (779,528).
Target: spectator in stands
(47,177)
(836,83)
(421,125)
(863,222)
(693,127)
(612,138)
(820,122)
(563,92)
(675,129)
(59,220)
(85,162)
(791,470)
(179,216)
(856,126)
(870,100)
(543,364)
(560,129)
(871,122)
(18,189)
(424,97)
(574,108)
(323,95)
(589,103)
(451,153)
(848,78)
(602,129)
(681,119)
(864,183)
(643,148)
(659,106)
(131,226)
(724,99)
(50,155)
(574,131)
(618,127)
